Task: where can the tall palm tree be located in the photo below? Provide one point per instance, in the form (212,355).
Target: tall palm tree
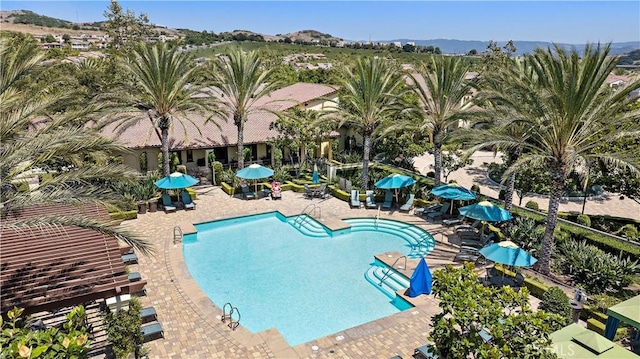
(30,136)
(370,98)
(165,87)
(569,113)
(242,80)
(443,96)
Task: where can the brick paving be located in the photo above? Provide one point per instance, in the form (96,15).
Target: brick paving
(191,321)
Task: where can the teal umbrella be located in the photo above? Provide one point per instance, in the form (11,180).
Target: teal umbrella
(176,180)
(255,172)
(454,192)
(315,177)
(395,181)
(508,253)
(485,211)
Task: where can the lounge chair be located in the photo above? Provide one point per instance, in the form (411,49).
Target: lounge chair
(466,256)
(148,314)
(167,205)
(130,258)
(426,351)
(308,192)
(186,200)
(355,199)
(247,194)
(477,243)
(468,227)
(428,209)
(134,276)
(388,199)
(441,212)
(452,221)
(370,201)
(406,207)
(151,331)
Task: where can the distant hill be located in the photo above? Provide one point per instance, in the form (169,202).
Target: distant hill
(26,17)
(448,46)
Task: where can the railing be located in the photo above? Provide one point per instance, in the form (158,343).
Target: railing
(177,234)
(233,323)
(311,210)
(388,271)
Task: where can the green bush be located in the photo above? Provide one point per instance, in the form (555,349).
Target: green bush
(123,329)
(475,188)
(532,205)
(502,194)
(282,175)
(123,216)
(595,269)
(217,166)
(629,231)
(554,300)
(584,220)
(181,168)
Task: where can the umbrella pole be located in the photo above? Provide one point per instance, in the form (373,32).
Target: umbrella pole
(255,186)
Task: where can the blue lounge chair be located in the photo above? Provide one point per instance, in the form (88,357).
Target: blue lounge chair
(388,198)
(152,331)
(148,314)
(406,207)
(130,258)
(167,205)
(355,198)
(186,200)
(428,209)
(246,192)
(370,201)
(426,351)
(443,210)
(134,276)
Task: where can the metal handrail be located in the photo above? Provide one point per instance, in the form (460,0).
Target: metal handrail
(312,212)
(387,273)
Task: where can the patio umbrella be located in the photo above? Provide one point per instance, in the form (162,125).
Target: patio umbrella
(315,178)
(508,253)
(420,280)
(395,181)
(255,172)
(176,180)
(453,191)
(485,211)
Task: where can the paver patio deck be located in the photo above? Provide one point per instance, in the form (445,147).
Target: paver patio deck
(191,321)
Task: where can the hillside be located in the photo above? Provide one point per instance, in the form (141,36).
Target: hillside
(30,18)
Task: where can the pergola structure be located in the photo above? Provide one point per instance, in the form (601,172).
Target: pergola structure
(45,267)
(626,312)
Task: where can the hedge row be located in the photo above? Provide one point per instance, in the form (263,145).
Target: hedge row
(606,243)
(123,216)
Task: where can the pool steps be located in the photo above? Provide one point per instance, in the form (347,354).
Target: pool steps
(391,284)
(421,241)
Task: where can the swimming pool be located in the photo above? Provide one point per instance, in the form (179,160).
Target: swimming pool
(296,275)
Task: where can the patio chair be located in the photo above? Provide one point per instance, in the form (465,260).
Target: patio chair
(130,258)
(148,314)
(478,243)
(426,351)
(440,213)
(467,256)
(370,201)
(322,193)
(186,200)
(468,227)
(167,205)
(406,207)
(247,194)
(355,199)
(388,198)
(308,192)
(151,331)
(450,222)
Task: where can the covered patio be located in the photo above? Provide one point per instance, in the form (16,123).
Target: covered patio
(627,312)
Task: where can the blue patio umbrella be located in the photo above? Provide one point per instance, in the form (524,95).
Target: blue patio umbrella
(485,211)
(395,181)
(176,180)
(255,172)
(315,178)
(420,280)
(454,192)
(508,253)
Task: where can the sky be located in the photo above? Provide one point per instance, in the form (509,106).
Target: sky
(574,22)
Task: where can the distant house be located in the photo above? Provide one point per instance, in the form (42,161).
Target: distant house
(192,146)
(617,80)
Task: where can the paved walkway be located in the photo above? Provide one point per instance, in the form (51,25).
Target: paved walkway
(609,203)
(191,321)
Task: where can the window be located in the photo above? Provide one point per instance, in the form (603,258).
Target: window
(189,155)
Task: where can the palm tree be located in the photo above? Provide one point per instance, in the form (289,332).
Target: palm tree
(443,96)
(569,113)
(242,79)
(31,137)
(164,87)
(370,98)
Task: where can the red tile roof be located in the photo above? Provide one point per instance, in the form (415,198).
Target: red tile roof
(194,133)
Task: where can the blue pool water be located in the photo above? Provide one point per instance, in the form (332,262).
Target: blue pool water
(305,285)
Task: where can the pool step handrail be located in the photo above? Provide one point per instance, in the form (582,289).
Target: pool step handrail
(177,234)
(392,268)
(233,324)
(310,210)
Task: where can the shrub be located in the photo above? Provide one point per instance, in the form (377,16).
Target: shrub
(181,168)
(123,329)
(217,167)
(532,205)
(228,177)
(282,175)
(502,194)
(475,188)
(595,269)
(629,230)
(526,233)
(584,220)
(554,300)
